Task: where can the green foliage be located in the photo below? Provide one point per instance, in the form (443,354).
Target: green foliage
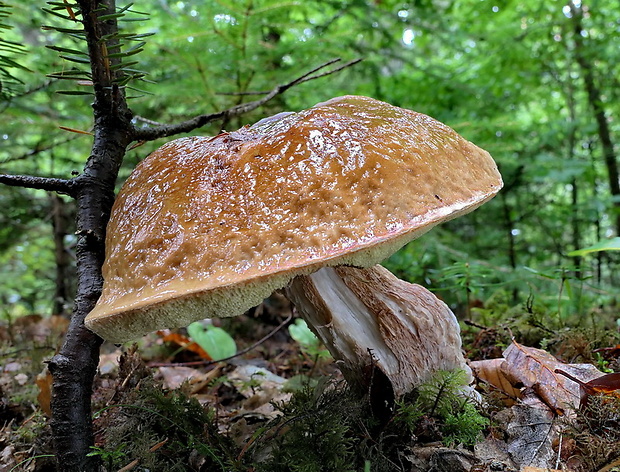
(606,245)
(314,433)
(443,400)
(8,51)
(215,341)
(505,76)
(172,427)
(464,426)
(309,343)
(326,428)
(117,47)
(110,457)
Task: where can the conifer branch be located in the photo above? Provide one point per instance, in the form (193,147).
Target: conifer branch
(150,134)
(66,186)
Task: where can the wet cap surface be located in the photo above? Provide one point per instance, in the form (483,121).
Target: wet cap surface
(255,207)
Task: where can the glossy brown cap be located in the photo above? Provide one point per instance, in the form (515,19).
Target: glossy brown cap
(208,227)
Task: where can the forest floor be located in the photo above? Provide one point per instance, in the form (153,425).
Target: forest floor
(162,405)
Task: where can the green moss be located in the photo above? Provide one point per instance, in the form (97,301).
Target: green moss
(326,428)
(314,433)
(439,407)
(162,431)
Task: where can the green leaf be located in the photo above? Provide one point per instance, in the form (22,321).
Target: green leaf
(111,16)
(67,50)
(217,342)
(78,59)
(606,245)
(300,332)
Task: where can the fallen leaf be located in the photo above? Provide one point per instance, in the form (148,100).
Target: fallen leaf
(492,372)
(531,432)
(184,342)
(535,369)
(44,382)
(174,377)
(608,384)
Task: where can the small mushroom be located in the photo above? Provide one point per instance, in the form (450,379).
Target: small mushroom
(310,201)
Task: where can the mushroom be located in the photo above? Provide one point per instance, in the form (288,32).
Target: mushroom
(310,202)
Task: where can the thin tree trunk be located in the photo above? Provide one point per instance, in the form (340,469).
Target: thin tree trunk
(74,367)
(571,145)
(596,103)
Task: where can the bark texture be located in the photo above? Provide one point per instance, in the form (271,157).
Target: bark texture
(74,367)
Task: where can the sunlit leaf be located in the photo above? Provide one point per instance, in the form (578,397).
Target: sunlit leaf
(217,342)
(300,332)
(606,245)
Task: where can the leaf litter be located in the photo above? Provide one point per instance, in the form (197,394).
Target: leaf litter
(540,393)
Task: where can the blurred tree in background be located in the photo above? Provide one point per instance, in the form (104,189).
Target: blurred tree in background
(534,83)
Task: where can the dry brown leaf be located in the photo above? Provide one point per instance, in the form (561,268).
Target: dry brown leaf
(608,384)
(174,377)
(184,342)
(535,369)
(491,372)
(44,382)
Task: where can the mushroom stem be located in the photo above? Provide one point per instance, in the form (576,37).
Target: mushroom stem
(370,318)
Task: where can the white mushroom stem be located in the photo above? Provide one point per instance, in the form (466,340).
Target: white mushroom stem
(369,317)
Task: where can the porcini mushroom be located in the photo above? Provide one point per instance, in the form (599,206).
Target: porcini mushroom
(311,201)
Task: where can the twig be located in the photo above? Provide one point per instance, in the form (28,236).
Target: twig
(304,78)
(149,134)
(333,71)
(240,353)
(66,186)
(147,121)
(243,94)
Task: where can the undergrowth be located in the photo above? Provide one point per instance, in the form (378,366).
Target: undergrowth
(594,433)
(152,429)
(323,428)
(327,428)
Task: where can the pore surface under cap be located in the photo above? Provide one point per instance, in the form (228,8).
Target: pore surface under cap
(211,226)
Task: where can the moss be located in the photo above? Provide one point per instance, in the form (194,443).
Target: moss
(314,433)
(156,429)
(327,428)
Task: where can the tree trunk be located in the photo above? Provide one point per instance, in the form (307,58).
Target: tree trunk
(596,103)
(74,367)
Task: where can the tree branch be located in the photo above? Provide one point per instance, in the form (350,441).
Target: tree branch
(150,134)
(66,186)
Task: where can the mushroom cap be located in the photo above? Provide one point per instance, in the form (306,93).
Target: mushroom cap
(210,226)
